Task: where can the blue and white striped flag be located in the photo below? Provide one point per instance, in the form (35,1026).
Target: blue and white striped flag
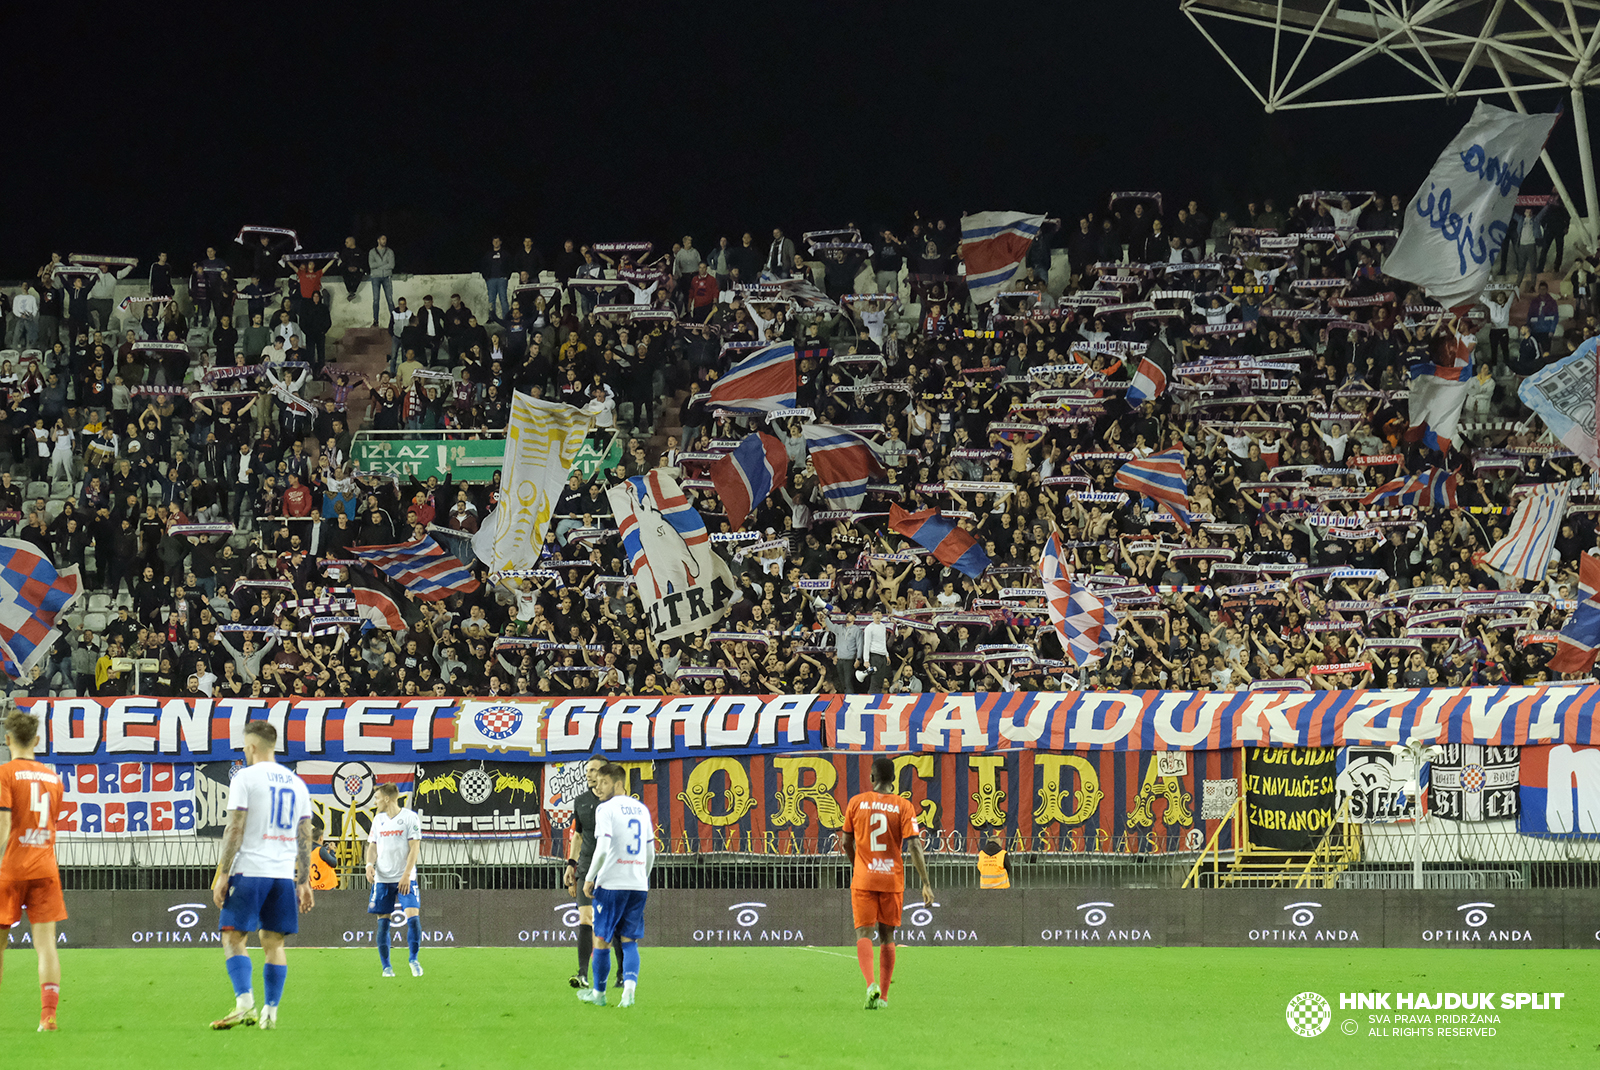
(1525,552)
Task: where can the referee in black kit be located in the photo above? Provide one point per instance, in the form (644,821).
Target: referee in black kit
(580,853)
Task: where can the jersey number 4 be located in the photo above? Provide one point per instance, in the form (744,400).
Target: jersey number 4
(39,803)
(879,824)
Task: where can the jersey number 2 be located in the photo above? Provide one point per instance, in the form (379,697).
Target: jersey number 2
(880,828)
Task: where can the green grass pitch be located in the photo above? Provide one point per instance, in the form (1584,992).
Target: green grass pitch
(792,1007)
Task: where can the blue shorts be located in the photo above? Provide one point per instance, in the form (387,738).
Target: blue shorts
(269,903)
(385,897)
(618,912)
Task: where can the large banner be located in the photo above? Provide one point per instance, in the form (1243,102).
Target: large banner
(1473,783)
(478,801)
(648,728)
(684,584)
(1456,223)
(1290,795)
(542,440)
(126,799)
(1127,803)
(1375,782)
(1560,789)
(404,730)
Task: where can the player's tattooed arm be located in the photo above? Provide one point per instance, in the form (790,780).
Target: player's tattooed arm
(232,840)
(302,855)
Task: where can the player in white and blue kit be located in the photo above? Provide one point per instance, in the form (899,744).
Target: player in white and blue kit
(263,880)
(393,847)
(618,881)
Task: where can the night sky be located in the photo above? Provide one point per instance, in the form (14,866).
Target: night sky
(603,122)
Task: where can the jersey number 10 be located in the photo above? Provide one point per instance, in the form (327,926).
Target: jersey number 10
(282,808)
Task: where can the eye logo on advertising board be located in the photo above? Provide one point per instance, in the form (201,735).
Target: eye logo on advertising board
(564,929)
(1301,927)
(1473,926)
(178,927)
(1093,925)
(746,927)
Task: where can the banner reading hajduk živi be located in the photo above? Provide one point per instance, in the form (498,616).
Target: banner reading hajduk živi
(654,727)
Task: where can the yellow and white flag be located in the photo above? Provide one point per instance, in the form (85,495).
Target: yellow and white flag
(542,442)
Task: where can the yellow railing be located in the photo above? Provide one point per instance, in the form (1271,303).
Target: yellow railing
(1241,843)
(1330,857)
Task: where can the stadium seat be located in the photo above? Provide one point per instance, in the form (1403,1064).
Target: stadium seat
(99,602)
(38,489)
(96,622)
(53,508)
(10,354)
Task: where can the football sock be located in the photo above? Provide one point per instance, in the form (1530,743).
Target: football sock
(49,996)
(864,956)
(239,974)
(414,936)
(885,968)
(272,978)
(381,938)
(602,966)
(630,961)
(585,948)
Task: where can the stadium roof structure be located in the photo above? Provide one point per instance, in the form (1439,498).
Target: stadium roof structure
(1454,48)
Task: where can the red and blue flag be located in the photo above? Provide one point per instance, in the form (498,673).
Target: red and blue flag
(32,596)
(1579,641)
(942,537)
(844,462)
(765,380)
(993,246)
(1433,487)
(1162,478)
(1154,371)
(421,567)
(746,476)
(1085,623)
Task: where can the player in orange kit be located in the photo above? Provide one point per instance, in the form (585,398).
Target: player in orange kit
(876,823)
(30,799)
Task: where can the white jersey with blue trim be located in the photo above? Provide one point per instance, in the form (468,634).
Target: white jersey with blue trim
(393,836)
(625,845)
(275,801)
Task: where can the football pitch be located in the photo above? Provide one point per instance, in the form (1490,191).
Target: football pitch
(800,1007)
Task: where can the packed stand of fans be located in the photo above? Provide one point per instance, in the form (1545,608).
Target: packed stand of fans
(219,410)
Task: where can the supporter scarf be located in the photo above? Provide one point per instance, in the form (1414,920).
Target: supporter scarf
(103,261)
(826,245)
(1341,667)
(201,529)
(158,391)
(1136,195)
(1386,298)
(1225,329)
(128,302)
(306,258)
(860,298)
(281,231)
(627,248)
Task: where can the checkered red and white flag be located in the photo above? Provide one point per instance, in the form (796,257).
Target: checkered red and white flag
(32,596)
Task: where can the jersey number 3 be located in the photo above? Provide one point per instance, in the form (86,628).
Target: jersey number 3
(638,836)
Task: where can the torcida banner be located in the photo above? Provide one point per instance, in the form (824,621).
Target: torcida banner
(654,727)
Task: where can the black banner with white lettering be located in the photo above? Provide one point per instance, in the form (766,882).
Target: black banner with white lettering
(478,801)
(1290,793)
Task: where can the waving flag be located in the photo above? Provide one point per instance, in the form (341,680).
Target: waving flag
(1084,622)
(1150,379)
(1437,394)
(1433,487)
(844,462)
(32,596)
(1162,478)
(684,585)
(942,537)
(1579,641)
(747,475)
(993,245)
(1526,551)
(763,381)
(1455,224)
(1564,397)
(542,443)
(380,605)
(421,567)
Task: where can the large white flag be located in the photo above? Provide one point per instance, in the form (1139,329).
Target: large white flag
(542,442)
(1564,396)
(1456,223)
(684,584)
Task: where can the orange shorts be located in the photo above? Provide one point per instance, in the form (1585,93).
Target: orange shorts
(875,908)
(41,896)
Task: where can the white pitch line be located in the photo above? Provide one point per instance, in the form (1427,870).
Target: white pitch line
(821,951)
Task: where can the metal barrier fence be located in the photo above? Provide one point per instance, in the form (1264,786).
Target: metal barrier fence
(1451,859)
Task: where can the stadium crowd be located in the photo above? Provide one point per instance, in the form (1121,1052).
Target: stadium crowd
(223,410)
